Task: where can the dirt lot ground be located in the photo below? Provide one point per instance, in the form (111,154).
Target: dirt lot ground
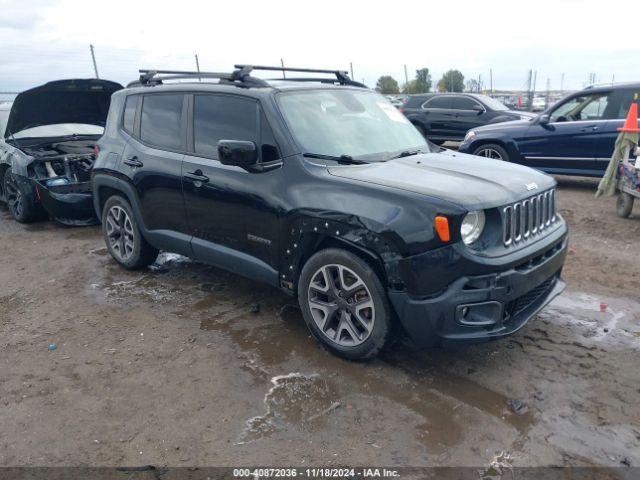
(170,366)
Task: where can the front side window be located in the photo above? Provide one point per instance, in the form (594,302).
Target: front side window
(222,117)
(440,101)
(348,122)
(583,107)
(463,103)
(160,124)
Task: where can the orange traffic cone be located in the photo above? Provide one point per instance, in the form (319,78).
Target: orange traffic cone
(631,123)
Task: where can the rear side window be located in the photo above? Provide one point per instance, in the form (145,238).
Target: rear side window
(462,103)
(622,100)
(130,112)
(443,101)
(222,117)
(161,120)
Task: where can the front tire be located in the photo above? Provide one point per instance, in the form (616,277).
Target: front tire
(22,205)
(344,304)
(493,151)
(624,205)
(123,237)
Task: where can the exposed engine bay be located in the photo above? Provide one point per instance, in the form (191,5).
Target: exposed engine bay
(62,163)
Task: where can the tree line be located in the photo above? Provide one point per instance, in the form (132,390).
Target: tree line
(451,81)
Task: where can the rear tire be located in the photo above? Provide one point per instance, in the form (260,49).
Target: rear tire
(624,205)
(344,304)
(22,205)
(493,151)
(123,236)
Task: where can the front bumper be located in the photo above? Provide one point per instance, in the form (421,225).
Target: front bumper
(484,307)
(70,204)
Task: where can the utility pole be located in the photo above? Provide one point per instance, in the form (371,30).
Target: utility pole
(479,83)
(562,83)
(529,94)
(284,75)
(406,77)
(93,57)
(198,67)
(546,100)
(351,68)
(491,80)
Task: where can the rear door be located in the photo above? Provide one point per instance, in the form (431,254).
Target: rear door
(439,117)
(231,212)
(152,159)
(575,135)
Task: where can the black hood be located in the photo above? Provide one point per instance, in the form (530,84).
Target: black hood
(466,180)
(62,101)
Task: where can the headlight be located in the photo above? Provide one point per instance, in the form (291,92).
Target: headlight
(472,226)
(469,136)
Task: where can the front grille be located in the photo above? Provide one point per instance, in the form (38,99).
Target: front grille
(528,218)
(519,304)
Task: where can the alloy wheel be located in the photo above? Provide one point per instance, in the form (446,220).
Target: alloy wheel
(120,233)
(341,305)
(14,196)
(489,153)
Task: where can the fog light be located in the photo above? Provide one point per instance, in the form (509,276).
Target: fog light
(479,314)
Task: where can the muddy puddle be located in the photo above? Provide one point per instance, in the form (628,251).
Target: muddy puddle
(271,342)
(443,394)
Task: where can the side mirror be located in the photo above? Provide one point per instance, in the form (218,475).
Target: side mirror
(237,152)
(544,119)
(478,108)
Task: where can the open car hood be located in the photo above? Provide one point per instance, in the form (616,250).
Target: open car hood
(62,101)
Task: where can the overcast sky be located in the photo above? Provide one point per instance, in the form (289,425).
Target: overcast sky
(43,40)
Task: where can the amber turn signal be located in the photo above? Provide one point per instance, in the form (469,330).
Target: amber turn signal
(442,228)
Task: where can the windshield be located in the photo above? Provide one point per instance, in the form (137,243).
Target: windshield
(59,130)
(494,104)
(356,123)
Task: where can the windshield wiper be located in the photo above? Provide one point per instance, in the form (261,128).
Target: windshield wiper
(407,153)
(344,159)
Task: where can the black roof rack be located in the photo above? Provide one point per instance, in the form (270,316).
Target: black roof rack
(241,76)
(342,76)
(156,77)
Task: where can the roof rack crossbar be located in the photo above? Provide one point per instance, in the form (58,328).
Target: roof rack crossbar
(153,77)
(341,75)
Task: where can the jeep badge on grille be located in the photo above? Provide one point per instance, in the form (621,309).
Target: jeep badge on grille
(531,186)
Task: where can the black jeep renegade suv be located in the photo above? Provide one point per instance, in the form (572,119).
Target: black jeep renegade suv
(323,189)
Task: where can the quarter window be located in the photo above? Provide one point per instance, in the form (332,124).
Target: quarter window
(130,112)
(160,124)
(222,117)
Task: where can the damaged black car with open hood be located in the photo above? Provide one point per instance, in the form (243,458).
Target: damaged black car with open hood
(48,149)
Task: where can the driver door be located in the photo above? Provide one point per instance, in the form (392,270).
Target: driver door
(571,138)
